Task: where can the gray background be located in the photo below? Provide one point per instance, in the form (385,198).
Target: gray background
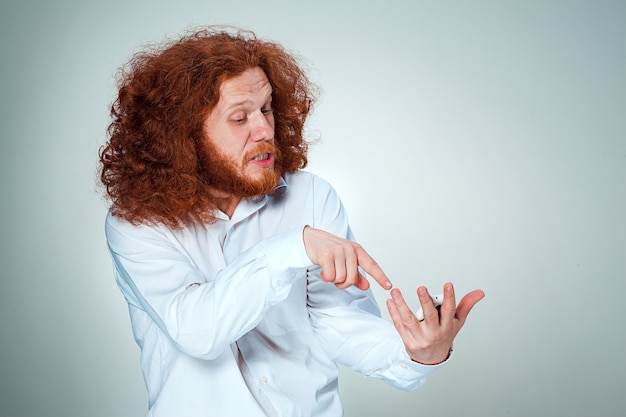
(479,142)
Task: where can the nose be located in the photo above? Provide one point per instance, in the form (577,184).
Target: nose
(262,127)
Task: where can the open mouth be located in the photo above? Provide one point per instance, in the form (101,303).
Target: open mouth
(262,157)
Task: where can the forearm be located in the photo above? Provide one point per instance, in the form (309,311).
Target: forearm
(203,314)
(354,336)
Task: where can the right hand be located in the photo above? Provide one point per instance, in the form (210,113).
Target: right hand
(340,260)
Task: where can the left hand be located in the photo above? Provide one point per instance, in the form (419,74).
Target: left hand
(429,341)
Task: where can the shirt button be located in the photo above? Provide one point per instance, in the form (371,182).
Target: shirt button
(403,366)
(264,379)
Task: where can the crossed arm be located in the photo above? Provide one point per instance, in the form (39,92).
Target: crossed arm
(427,342)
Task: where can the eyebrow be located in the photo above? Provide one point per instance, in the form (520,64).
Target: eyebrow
(238,104)
(246,102)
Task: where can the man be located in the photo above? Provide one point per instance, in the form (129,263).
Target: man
(243,281)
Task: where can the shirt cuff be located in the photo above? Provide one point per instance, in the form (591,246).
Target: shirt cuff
(286,259)
(407,369)
(286,251)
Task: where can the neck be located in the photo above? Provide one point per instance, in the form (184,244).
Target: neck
(228,204)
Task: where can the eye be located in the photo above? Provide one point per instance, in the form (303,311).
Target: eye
(239,117)
(267,107)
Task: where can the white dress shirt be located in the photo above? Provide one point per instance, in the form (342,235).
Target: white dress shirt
(233,320)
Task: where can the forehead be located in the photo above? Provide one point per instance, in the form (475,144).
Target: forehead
(251,83)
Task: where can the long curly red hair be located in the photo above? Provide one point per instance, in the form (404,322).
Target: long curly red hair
(150,166)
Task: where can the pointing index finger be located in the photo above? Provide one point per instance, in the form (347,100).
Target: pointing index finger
(370,266)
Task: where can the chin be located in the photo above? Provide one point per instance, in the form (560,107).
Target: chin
(260,185)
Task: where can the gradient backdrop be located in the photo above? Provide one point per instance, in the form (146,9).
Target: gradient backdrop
(479,142)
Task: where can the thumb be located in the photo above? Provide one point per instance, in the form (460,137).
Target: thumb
(467,303)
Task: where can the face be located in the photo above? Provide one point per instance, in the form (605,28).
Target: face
(240,155)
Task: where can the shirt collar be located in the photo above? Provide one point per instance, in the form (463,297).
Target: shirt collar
(247,206)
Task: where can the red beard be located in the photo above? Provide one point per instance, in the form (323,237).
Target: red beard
(227,176)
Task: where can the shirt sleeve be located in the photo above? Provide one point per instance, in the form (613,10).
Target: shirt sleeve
(348,322)
(155,275)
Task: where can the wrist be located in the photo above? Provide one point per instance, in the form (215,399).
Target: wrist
(450,351)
